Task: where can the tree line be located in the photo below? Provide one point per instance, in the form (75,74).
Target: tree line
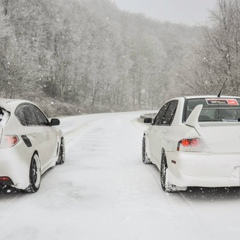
(76,56)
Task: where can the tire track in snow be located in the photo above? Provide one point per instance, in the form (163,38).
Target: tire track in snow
(172,200)
(73,132)
(9,206)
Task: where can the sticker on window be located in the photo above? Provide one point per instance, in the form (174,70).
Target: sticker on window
(232,102)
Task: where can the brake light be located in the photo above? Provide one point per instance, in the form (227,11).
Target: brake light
(6,181)
(4,178)
(9,141)
(192,142)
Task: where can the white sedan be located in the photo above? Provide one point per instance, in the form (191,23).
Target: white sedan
(195,142)
(30,144)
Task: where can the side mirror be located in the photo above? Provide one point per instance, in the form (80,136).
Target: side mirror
(54,122)
(147,120)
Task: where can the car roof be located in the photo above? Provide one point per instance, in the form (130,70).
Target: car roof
(7,100)
(209,96)
(201,96)
(10,104)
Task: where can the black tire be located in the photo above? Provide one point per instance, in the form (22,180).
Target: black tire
(34,175)
(61,155)
(145,158)
(163,171)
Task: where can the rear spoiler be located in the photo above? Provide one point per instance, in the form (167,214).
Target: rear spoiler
(192,120)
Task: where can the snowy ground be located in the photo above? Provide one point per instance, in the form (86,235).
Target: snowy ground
(104,192)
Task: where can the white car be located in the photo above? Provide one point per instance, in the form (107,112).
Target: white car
(30,144)
(195,142)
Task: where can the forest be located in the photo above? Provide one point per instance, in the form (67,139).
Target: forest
(85,56)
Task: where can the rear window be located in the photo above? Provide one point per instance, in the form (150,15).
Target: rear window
(214,109)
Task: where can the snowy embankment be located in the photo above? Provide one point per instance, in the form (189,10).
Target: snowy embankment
(104,191)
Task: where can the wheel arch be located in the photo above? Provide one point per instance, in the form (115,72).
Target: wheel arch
(37,153)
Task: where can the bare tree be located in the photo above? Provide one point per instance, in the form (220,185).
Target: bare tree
(218,58)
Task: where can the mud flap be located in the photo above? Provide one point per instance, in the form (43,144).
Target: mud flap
(171,187)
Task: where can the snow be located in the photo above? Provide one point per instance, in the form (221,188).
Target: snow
(104,191)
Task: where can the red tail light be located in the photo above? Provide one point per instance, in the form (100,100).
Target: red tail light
(4,178)
(12,140)
(192,142)
(9,141)
(6,181)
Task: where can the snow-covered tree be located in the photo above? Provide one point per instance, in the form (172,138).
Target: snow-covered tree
(88,53)
(217,60)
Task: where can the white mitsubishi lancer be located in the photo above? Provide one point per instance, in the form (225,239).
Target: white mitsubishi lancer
(30,144)
(195,142)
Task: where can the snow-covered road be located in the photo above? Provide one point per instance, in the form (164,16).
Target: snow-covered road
(105,192)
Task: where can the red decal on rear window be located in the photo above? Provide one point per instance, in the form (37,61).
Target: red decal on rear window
(232,102)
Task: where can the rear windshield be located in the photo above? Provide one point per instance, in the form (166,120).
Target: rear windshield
(214,109)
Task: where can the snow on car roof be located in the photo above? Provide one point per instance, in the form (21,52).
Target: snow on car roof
(9,103)
(8,100)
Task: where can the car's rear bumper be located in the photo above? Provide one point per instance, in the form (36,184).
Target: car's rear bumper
(14,163)
(187,169)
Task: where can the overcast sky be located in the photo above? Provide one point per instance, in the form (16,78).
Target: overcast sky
(189,12)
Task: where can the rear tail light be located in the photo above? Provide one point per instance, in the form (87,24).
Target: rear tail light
(6,181)
(9,141)
(188,143)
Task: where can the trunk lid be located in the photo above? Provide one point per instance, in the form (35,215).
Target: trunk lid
(216,137)
(220,137)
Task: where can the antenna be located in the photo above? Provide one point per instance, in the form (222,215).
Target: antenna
(219,95)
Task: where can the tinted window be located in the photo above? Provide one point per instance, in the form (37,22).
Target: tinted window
(26,116)
(160,116)
(215,109)
(41,118)
(21,117)
(169,116)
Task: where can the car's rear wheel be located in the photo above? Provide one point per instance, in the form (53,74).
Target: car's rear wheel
(166,186)
(34,174)
(163,172)
(145,158)
(61,155)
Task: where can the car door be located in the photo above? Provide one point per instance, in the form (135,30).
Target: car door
(154,134)
(162,126)
(166,129)
(50,144)
(32,130)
